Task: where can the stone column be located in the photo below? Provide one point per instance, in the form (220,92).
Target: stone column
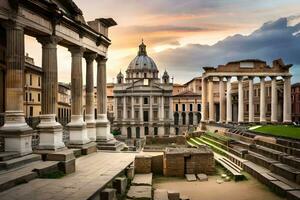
(287,100)
(89,102)
(77,127)
(161,128)
(211,100)
(171,116)
(222,100)
(262,100)
(102,124)
(132,108)
(51,133)
(241,100)
(251,104)
(228,101)
(141,109)
(124,109)
(274,100)
(17,134)
(151,109)
(204,114)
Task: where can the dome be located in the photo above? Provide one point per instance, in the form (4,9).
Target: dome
(142,61)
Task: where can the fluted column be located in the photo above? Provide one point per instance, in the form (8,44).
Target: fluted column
(274,100)
(228,101)
(204,100)
(51,136)
(287,100)
(211,100)
(222,100)
(241,100)
(102,124)
(17,134)
(77,127)
(251,104)
(89,98)
(262,100)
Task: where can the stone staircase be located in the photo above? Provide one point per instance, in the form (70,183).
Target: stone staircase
(15,170)
(277,165)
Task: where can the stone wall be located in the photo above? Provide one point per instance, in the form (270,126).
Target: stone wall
(212,128)
(142,164)
(157,164)
(179,140)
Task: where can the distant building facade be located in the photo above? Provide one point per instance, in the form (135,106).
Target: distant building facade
(296,102)
(143,104)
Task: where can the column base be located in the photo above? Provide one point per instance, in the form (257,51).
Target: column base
(17,134)
(86,148)
(77,130)
(103,128)
(51,133)
(91,127)
(287,122)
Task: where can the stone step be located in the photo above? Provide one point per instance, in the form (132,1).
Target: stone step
(160,194)
(26,173)
(190,177)
(111,146)
(8,155)
(270,153)
(202,177)
(142,179)
(291,161)
(293,195)
(16,162)
(260,159)
(286,171)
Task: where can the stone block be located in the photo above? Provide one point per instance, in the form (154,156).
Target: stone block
(67,167)
(140,193)
(120,184)
(157,164)
(184,198)
(142,164)
(172,195)
(142,179)
(202,177)
(160,194)
(280,188)
(108,194)
(293,195)
(190,177)
(61,155)
(130,172)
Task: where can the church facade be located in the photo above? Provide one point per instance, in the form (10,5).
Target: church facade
(143,103)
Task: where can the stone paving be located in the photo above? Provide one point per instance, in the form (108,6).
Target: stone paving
(93,172)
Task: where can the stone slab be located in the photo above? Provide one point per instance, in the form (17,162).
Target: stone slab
(293,195)
(61,155)
(173,195)
(108,194)
(202,177)
(142,179)
(86,149)
(19,161)
(190,177)
(160,194)
(140,193)
(8,155)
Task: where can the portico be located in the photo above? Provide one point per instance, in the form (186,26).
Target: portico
(53,25)
(245,71)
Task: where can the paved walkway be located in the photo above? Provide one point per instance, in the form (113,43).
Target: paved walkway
(93,172)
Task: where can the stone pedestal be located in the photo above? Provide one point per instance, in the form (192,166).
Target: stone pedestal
(50,133)
(78,131)
(17,134)
(91,127)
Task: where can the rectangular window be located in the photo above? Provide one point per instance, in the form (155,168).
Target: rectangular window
(30,79)
(39,81)
(30,97)
(26,96)
(136,114)
(183,107)
(146,117)
(30,111)
(191,107)
(199,107)
(176,107)
(155,115)
(39,97)
(155,100)
(145,100)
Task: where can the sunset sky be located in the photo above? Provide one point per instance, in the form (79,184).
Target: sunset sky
(183,35)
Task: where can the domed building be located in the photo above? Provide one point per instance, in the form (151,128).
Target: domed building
(143,103)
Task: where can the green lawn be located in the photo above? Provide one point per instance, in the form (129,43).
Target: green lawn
(279,130)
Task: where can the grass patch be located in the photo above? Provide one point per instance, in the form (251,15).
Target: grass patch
(52,175)
(287,131)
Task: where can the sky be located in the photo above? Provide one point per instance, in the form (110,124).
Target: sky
(182,36)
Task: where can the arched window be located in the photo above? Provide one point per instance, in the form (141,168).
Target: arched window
(176,118)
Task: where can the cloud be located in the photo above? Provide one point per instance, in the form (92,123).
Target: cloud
(271,41)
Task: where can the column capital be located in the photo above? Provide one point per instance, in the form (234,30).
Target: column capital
(221,78)
(240,78)
(101,59)
(12,24)
(210,79)
(49,40)
(89,56)
(228,78)
(77,50)
(262,78)
(273,77)
(251,78)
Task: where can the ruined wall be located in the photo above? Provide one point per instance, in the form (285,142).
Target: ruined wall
(180,140)
(173,165)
